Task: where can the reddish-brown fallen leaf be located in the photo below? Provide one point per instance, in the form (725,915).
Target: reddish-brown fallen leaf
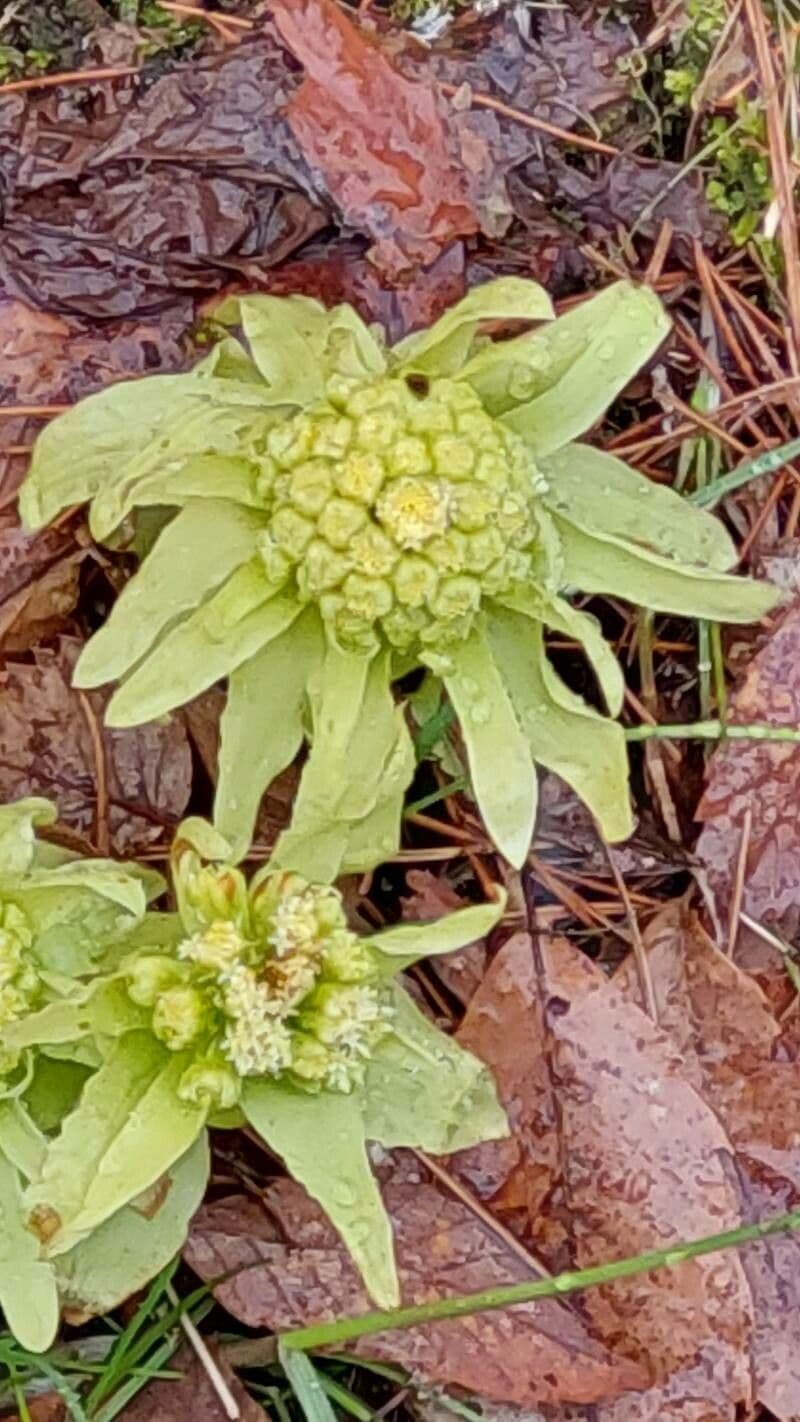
(50,738)
(381,140)
(615,1152)
(761,779)
(294,1270)
(503,1026)
(191,1395)
(735,1052)
(431,896)
(50,1408)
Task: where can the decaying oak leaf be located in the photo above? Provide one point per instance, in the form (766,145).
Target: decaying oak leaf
(191,1395)
(295,1270)
(380,140)
(615,1152)
(431,896)
(747,1069)
(50,736)
(760,779)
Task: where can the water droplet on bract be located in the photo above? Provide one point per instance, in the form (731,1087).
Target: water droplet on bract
(343,1193)
(605,351)
(480,712)
(469,686)
(360,1232)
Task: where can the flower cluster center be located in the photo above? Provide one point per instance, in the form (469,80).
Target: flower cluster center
(397,509)
(284,988)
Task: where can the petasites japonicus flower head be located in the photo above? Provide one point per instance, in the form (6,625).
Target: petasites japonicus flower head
(255,1003)
(335,513)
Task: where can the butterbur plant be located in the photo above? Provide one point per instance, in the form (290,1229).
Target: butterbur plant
(331,514)
(253,1003)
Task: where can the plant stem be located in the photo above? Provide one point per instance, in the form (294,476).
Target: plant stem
(323,1335)
(767,463)
(712,731)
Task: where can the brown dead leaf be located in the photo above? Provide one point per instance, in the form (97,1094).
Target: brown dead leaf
(615,1152)
(503,1026)
(135,201)
(735,1053)
(50,1408)
(762,778)
(432,896)
(295,1270)
(382,141)
(192,1395)
(49,741)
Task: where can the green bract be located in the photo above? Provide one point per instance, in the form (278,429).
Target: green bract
(60,918)
(334,514)
(253,1003)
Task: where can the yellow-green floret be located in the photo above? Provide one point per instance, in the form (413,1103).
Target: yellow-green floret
(281,988)
(397,506)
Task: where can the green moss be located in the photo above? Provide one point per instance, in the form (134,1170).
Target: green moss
(741,186)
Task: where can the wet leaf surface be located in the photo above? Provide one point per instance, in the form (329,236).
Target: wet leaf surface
(431,897)
(747,1069)
(294,1269)
(131,202)
(51,738)
(759,781)
(193,1395)
(640,1166)
(383,143)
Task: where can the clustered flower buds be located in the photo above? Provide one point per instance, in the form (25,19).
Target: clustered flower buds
(397,505)
(269,983)
(19,980)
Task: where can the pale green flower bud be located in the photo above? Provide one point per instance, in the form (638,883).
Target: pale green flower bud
(347,960)
(484,548)
(450,552)
(330,912)
(332,437)
(382,491)
(378,430)
(373,552)
(430,417)
(341,1015)
(291,532)
(403,626)
(340,520)
(360,476)
(217,893)
(290,443)
(492,469)
(340,389)
(322,569)
(310,1058)
(9,1061)
(277,561)
(217,948)
(179,1017)
(415,581)
(413,510)
(367,598)
(311,486)
(354,634)
(454,458)
(149,975)
(265,479)
(19,980)
(210,1082)
(14,1003)
(456,597)
(472,507)
(411,456)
